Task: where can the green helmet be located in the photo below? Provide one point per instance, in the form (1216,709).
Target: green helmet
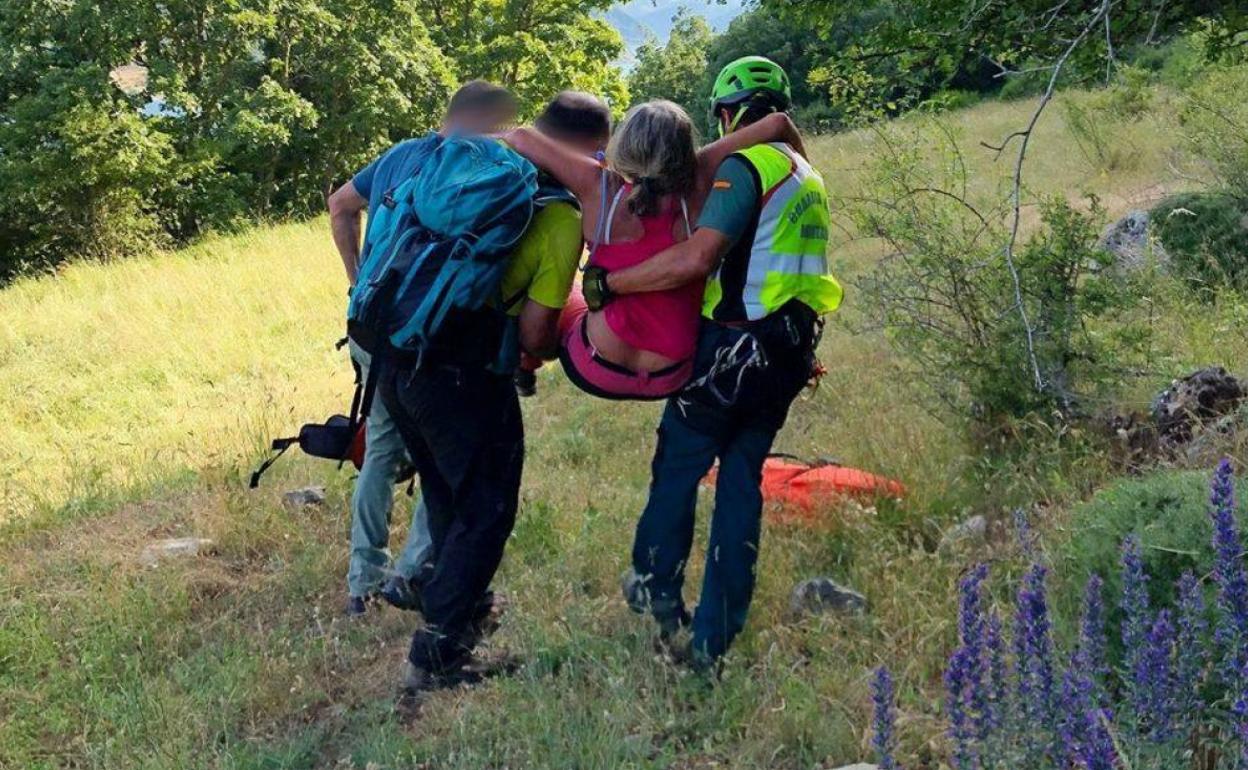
(750,76)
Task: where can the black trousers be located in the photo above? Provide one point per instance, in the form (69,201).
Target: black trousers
(462,427)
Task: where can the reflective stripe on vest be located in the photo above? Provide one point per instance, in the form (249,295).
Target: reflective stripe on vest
(788,260)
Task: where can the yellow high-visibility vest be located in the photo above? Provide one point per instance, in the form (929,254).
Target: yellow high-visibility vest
(788,258)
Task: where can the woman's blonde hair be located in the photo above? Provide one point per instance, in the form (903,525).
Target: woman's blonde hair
(655,148)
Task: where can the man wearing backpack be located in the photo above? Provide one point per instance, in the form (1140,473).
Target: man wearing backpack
(761,241)
(477,107)
(541,271)
(453,403)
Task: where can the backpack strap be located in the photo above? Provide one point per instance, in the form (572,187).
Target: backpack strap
(602,209)
(280,445)
(366,391)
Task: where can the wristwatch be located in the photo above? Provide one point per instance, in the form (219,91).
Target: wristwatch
(594,287)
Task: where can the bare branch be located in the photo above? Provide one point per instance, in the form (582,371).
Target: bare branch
(998,149)
(1017,195)
(1152,31)
(1109,51)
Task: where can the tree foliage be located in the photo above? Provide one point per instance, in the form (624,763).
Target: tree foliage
(675,70)
(910,50)
(232,112)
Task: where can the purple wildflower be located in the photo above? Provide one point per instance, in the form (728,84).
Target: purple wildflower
(970,614)
(1091,651)
(1134,596)
(1076,703)
(1153,680)
(882,696)
(971,631)
(1034,648)
(1240,711)
(1098,752)
(1189,650)
(957,695)
(1229,573)
(1082,690)
(994,646)
(1040,643)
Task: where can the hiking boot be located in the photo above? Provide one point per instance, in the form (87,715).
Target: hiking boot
(633,586)
(526,383)
(486,619)
(418,680)
(671,615)
(671,625)
(402,593)
(357,606)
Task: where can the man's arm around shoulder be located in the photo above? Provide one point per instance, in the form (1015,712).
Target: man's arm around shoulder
(725,218)
(686,262)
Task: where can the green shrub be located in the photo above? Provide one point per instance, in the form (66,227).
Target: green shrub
(1206,238)
(1213,121)
(1173,63)
(820,118)
(951,100)
(1024,86)
(948,299)
(1168,511)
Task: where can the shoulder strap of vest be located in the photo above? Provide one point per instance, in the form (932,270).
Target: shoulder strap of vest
(772,164)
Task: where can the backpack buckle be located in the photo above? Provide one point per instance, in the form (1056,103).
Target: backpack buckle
(388,200)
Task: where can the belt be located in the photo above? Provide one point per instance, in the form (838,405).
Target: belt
(624,370)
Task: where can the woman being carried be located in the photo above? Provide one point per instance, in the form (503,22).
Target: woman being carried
(639,203)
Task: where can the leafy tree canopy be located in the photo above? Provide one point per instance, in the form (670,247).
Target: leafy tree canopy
(134,124)
(676,70)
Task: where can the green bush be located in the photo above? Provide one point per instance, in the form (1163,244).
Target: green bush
(1213,121)
(1174,63)
(952,99)
(820,118)
(1167,510)
(948,298)
(1206,238)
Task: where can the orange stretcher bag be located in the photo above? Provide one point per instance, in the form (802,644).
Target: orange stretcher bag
(795,489)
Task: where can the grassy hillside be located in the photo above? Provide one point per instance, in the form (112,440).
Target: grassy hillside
(140,394)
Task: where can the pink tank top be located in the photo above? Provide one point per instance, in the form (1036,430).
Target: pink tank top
(662,322)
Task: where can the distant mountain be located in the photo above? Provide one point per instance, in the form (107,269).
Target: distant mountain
(639,20)
(657,15)
(633,31)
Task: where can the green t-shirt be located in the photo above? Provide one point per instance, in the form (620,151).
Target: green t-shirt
(544,264)
(733,201)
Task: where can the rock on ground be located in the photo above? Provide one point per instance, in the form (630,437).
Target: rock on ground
(304,497)
(969,532)
(1128,241)
(822,595)
(1188,403)
(156,552)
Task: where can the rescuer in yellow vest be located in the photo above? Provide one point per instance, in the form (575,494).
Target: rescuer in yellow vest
(761,245)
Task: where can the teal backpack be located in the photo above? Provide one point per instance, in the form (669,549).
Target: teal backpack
(439,243)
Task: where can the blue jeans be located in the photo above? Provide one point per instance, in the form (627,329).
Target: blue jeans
(372,500)
(698,427)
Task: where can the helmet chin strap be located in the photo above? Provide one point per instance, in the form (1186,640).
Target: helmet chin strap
(736,120)
(732,125)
